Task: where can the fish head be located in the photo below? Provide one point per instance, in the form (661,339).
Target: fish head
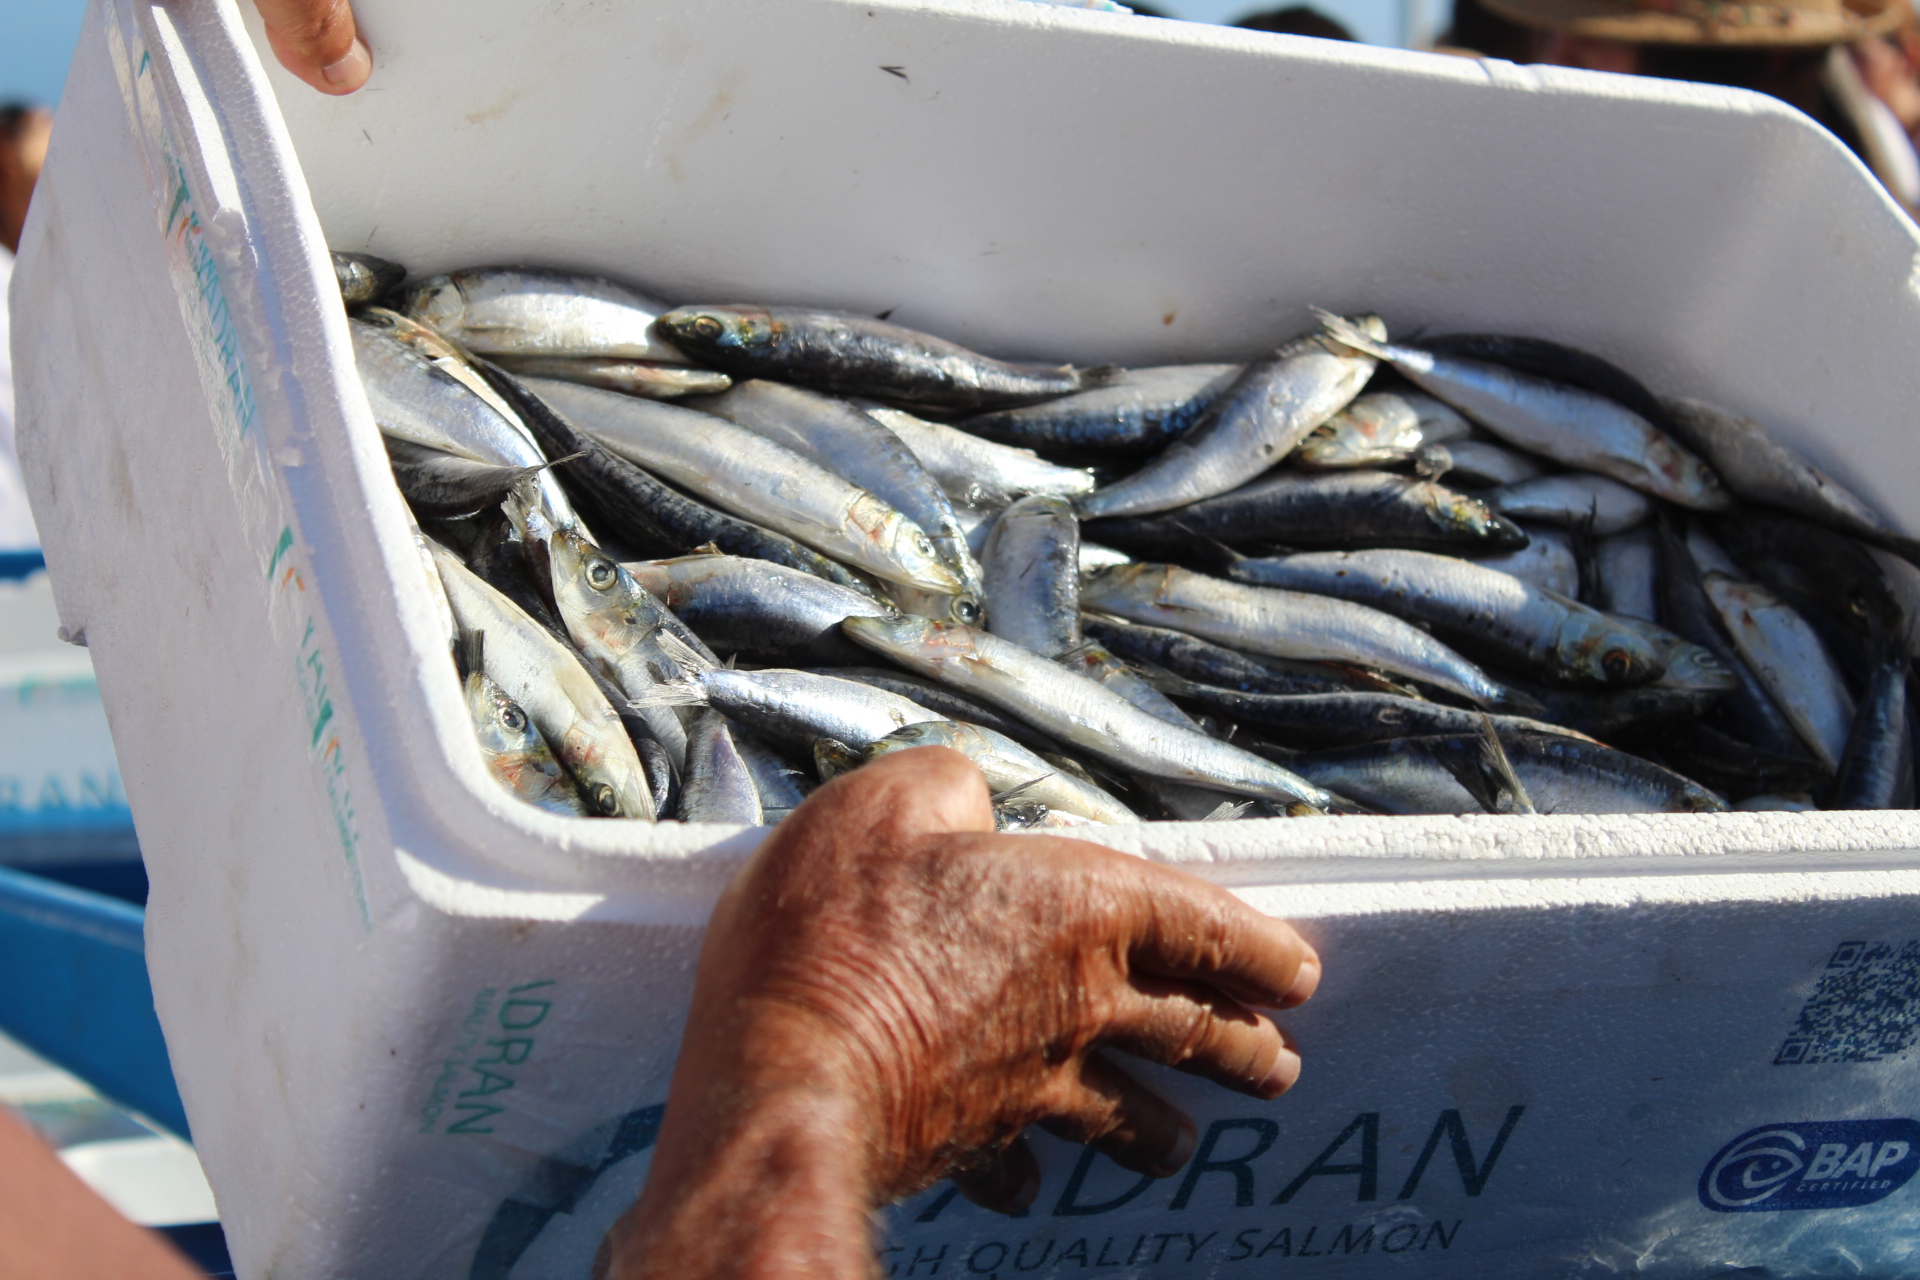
(439,303)
(968,610)
(1694,668)
(1120,582)
(928,733)
(1695,798)
(1380,427)
(718,331)
(1020,815)
(502,726)
(1457,513)
(921,644)
(832,757)
(609,787)
(902,546)
(599,597)
(1595,647)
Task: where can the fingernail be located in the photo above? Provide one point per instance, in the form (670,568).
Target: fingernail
(1283,1074)
(1305,983)
(350,72)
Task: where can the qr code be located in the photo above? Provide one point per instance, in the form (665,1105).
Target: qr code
(1865,1008)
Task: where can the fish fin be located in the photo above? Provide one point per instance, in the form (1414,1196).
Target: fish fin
(1486,773)
(470,652)
(1586,554)
(1473,772)
(1228,811)
(1503,767)
(1349,334)
(1100,375)
(1020,789)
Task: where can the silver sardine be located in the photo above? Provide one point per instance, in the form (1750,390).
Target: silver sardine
(1479,607)
(1286,624)
(755,478)
(1568,424)
(859,449)
(1787,657)
(525,311)
(1254,423)
(719,785)
(558,694)
(1090,716)
(1032,566)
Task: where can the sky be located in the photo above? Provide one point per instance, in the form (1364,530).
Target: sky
(37,36)
(36,43)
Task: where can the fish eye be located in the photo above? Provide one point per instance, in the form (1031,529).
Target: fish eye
(967,611)
(706,327)
(601,574)
(513,719)
(604,800)
(1617,663)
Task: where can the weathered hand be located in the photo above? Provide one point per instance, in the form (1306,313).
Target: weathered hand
(889,993)
(317,41)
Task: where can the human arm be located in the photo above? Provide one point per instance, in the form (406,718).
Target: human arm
(55,1227)
(888,994)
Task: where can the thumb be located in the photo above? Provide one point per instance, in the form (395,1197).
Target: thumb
(925,791)
(318,41)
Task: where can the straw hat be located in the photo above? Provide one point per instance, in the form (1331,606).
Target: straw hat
(1805,23)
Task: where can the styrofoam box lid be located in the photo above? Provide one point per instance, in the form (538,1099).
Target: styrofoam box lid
(1048,183)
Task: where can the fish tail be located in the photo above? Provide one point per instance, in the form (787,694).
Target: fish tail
(1215,554)
(684,691)
(1347,333)
(1228,811)
(682,654)
(1516,702)
(470,651)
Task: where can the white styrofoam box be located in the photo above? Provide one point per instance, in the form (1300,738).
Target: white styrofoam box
(423,1031)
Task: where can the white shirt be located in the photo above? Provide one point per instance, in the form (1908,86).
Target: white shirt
(16,521)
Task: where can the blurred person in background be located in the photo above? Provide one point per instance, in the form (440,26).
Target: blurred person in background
(1850,64)
(1295,20)
(24,131)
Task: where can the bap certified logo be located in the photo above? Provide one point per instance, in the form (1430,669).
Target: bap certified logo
(1837,1164)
